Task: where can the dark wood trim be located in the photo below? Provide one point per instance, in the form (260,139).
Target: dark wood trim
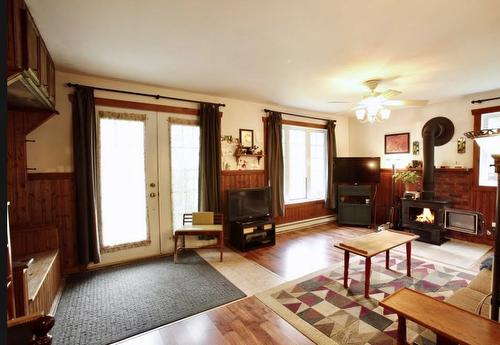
(481,111)
(299,123)
(51,176)
(108,102)
(242,172)
(118,103)
(305,203)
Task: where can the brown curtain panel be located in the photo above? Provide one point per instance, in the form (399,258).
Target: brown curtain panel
(210,156)
(85,163)
(275,162)
(331,188)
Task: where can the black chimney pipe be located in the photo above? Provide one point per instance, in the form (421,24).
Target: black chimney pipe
(436,132)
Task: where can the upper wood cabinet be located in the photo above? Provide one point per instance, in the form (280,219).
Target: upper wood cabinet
(31,71)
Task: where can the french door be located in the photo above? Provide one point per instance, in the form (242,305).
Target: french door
(148,177)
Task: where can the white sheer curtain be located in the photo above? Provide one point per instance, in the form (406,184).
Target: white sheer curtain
(122,180)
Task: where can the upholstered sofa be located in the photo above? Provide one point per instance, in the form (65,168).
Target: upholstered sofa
(476,297)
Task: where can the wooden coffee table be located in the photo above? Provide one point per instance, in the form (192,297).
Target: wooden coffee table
(373,244)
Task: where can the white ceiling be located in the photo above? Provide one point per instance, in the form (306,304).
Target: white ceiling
(290,52)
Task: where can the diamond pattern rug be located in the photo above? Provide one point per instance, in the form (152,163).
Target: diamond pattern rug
(319,306)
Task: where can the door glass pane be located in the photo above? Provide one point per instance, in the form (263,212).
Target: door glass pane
(317,165)
(184,154)
(122,182)
(296,164)
(487,175)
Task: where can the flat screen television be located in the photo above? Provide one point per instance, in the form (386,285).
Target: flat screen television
(356,170)
(249,203)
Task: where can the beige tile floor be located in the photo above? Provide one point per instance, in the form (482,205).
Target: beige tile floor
(247,275)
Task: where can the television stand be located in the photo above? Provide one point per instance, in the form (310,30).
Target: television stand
(252,233)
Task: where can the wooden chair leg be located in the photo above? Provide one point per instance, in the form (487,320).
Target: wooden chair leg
(221,240)
(175,249)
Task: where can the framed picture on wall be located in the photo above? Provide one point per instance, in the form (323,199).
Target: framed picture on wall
(246,137)
(397,143)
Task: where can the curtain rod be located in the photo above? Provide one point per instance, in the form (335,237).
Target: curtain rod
(144,94)
(484,100)
(304,116)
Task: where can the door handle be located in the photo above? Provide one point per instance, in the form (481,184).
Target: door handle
(152,184)
(152,195)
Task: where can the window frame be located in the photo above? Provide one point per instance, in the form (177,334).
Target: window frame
(308,129)
(478,114)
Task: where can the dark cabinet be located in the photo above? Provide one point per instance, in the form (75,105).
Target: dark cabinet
(31,71)
(31,48)
(355,204)
(14,37)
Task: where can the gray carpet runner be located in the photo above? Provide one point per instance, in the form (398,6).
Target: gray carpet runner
(105,306)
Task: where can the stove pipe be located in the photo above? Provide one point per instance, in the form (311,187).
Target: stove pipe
(436,132)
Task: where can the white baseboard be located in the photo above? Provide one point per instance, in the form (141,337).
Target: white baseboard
(305,223)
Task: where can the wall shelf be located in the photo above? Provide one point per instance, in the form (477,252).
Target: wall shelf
(239,153)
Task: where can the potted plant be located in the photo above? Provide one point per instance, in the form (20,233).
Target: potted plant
(407,177)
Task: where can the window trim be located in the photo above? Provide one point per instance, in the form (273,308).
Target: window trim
(476,155)
(310,128)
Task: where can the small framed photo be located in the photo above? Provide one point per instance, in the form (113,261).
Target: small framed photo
(246,137)
(461,145)
(416,148)
(397,143)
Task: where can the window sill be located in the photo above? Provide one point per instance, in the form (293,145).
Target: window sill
(305,202)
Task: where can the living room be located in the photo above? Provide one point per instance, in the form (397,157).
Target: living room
(139,134)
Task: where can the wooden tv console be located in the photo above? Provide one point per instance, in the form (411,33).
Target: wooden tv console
(252,233)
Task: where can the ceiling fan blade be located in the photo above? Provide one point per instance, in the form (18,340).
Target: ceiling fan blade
(390,93)
(340,102)
(409,102)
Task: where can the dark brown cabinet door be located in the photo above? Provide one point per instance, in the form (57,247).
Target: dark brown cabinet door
(32,48)
(52,80)
(14,38)
(43,63)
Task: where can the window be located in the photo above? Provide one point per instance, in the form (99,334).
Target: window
(487,176)
(304,153)
(122,172)
(184,163)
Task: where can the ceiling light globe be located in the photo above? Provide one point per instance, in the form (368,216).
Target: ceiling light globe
(385,113)
(360,114)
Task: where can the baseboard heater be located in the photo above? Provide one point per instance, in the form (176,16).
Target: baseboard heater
(469,222)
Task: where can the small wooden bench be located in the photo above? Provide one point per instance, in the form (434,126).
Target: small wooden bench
(36,267)
(451,324)
(189,229)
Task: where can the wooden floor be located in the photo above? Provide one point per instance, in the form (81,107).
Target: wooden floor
(248,321)
(301,252)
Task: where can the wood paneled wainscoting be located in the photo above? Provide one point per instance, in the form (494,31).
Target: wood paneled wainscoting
(51,200)
(454,185)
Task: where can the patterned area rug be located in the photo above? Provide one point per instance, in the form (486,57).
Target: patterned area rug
(319,306)
(108,305)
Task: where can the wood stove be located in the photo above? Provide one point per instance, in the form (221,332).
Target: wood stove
(425,218)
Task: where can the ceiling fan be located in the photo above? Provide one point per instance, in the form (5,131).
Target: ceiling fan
(374,106)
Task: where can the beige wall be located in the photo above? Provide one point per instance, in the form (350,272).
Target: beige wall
(53,148)
(368,139)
